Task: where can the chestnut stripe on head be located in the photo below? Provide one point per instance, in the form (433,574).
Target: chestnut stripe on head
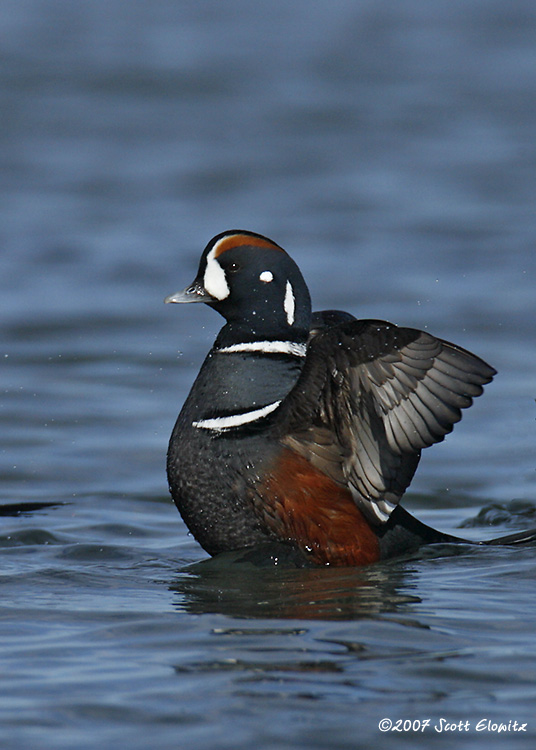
(231,241)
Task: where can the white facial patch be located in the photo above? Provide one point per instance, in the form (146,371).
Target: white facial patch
(214,279)
(266,276)
(289,304)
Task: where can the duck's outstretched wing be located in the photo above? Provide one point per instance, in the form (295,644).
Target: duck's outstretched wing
(370,397)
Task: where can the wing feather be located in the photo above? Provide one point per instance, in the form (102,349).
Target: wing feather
(370,397)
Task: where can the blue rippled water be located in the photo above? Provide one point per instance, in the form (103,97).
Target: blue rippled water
(390,148)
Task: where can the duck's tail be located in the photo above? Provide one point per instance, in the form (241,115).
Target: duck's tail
(404,533)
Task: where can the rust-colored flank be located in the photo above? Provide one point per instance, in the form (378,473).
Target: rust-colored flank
(303,505)
(237,240)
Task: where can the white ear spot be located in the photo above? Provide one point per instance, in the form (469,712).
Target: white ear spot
(214,279)
(289,304)
(266,276)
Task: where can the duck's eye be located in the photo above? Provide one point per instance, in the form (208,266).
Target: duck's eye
(233,267)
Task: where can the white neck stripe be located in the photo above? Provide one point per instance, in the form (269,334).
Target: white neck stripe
(289,304)
(219,424)
(268,347)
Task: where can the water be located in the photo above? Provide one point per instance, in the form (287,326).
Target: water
(390,148)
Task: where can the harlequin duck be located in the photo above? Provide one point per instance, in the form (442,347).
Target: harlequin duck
(305,429)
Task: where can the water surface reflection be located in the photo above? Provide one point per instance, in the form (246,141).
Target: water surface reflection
(241,589)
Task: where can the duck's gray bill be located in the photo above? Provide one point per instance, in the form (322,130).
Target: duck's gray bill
(193,293)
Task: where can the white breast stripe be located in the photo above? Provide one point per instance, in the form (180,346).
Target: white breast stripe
(219,424)
(289,304)
(268,347)
(214,279)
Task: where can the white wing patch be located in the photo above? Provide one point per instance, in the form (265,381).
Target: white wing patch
(214,279)
(289,304)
